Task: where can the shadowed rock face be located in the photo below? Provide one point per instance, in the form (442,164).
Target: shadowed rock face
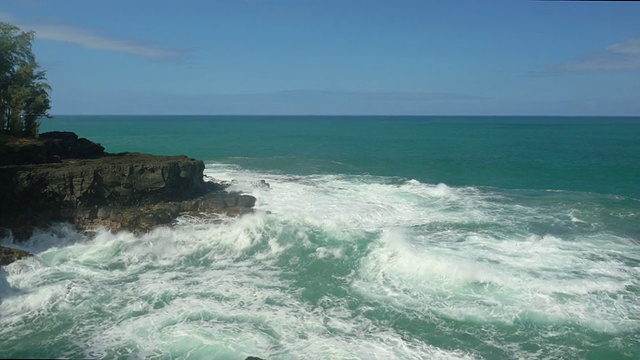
(50,147)
(143,218)
(120,191)
(124,179)
(9,255)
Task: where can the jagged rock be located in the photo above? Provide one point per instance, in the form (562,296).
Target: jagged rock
(143,218)
(123,179)
(67,145)
(48,148)
(246,201)
(262,184)
(61,177)
(9,255)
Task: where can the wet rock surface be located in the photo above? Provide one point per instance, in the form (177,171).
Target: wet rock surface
(9,255)
(89,188)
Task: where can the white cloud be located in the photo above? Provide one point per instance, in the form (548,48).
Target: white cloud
(90,40)
(623,56)
(631,46)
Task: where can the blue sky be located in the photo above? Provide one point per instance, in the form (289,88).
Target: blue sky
(423,57)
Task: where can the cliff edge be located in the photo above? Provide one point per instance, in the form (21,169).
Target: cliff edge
(61,177)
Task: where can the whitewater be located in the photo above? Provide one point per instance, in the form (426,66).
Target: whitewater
(353,251)
(331,266)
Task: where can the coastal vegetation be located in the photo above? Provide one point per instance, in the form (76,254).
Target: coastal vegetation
(24,91)
(59,176)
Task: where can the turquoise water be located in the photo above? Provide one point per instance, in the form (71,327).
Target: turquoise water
(380,237)
(582,154)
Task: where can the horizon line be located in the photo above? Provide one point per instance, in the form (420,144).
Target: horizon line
(354,115)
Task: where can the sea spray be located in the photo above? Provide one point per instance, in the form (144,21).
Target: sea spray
(335,266)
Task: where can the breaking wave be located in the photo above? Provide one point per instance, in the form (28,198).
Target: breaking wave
(334,266)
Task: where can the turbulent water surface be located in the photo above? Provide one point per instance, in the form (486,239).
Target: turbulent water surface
(378,238)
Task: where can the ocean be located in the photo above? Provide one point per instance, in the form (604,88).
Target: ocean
(378,238)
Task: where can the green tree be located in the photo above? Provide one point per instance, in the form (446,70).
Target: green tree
(24,92)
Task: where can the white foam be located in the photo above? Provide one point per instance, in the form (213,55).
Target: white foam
(162,305)
(5,287)
(363,203)
(548,280)
(240,314)
(524,271)
(225,287)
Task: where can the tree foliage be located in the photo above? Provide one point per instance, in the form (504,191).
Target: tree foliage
(24,92)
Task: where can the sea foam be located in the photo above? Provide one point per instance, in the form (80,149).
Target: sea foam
(329,266)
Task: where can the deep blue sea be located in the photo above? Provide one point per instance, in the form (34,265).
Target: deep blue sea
(379,238)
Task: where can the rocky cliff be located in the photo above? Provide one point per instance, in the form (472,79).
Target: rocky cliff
(63,178)
(48,148)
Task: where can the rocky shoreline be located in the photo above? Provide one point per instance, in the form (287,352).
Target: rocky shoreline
(63,178)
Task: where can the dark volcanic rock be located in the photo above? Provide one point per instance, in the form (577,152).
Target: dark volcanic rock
(67,145)
(124,191)
(144,218)
(125,179)
(48,148)
(9,255)
(60,177)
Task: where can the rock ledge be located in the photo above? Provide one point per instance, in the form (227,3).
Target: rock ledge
(63,178)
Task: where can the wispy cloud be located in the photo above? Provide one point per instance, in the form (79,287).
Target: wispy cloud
(631,46)
(90,40)
(622,56)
